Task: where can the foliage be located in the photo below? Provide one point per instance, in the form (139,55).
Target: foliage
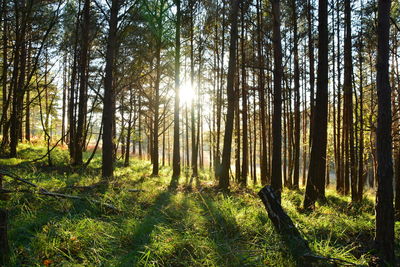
(193,226)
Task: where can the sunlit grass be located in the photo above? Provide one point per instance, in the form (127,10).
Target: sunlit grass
(192,226)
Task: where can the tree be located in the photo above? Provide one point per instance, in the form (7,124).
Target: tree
(79,141)
(109,95)
(176,161)
(223,174)
(384,235)
(315,188)
(296,170)
(276,181)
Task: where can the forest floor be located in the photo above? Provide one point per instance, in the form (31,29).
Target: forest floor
(192,226)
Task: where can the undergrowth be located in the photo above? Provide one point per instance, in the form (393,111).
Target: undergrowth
(194,225)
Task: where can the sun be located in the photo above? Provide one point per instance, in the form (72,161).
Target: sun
(186,93)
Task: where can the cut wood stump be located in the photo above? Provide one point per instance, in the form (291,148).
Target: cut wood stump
(297,245)
(284,225)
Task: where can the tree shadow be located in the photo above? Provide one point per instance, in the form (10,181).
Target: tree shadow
(141,235)
(225,233)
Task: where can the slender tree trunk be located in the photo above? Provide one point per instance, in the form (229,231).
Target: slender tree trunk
(245,150)
(176,160)
(315,188)
(83,71)
(348,105)
(64,99)
(223,175)
(194,101)
(263,160)
(71,108)
(361,174)
(109,95)
(311,59)
(27,103)
(384,236)
(6,95)
(296,169)
(276,119)
(155,151)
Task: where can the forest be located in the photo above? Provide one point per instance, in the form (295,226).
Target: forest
(200,133)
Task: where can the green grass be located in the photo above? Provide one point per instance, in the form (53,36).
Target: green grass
(192,226)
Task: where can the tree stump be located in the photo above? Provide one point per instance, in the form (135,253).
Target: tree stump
(283,224)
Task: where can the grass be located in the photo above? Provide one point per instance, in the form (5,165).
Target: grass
(192,226)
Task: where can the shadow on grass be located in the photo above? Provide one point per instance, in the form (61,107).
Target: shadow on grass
(226,235)
(142,233)
(32,216)
(351,209)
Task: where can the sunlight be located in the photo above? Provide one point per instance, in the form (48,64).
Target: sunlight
(186,93)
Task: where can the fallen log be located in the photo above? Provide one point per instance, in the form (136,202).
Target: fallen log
(297,245)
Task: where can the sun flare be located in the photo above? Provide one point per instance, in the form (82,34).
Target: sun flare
(186,93)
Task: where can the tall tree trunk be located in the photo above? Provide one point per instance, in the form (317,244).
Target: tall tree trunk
(109,95)
(296,170)
(340,141)
(64,99)
(155,152)
(6,95)
(384,236)
(311,59)
(361,135)
(263,160)
(176,158)
(276,119)
(28,104)
(315,188)
(71,105)
(245,144)
(223,174)
(83,71)
(348,105)
(194,101)
(18,76)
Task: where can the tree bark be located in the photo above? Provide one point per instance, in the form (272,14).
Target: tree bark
(223,175)
(315,188)
(245,142)
(296,170)
(384,236)
(83,71)
(176,160)
(276,119)
(109,95)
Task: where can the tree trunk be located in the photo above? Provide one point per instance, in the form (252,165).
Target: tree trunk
(276,119)
(194,102)
(155,152)
(176,159)
(315,188)
(245,143)
(263,141)
(361,175)
(311,59)
(83,71)
(296,170)
(6,96)
(223,174)
(109,95)
(384,236)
